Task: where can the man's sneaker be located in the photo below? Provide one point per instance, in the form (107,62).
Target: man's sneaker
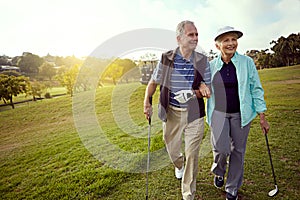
(179,172)
(218,181)
(231,197)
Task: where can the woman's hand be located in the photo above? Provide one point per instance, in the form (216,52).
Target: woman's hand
(204,90)
(264,123)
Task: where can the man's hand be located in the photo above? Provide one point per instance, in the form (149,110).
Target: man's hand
(147,109)
(183,96)
(150,90)
(204,90)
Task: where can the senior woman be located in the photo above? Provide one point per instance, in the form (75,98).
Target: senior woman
(237,97)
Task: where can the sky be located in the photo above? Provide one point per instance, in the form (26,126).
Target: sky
(68,27)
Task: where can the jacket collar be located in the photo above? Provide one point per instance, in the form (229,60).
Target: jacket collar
(234,60)
(171,54)
(195,55)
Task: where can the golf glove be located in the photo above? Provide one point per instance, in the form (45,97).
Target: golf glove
(183,96)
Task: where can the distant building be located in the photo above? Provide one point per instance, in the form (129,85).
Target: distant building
(9,68)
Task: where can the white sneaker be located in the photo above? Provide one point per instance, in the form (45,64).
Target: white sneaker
(179,172)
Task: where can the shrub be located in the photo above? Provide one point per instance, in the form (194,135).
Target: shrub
(47,95)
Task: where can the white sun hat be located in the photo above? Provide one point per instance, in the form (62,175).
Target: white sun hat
(228,29)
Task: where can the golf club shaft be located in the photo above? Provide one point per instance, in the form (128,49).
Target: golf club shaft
(150,101)
(270,158)
(148,157)
(148,160)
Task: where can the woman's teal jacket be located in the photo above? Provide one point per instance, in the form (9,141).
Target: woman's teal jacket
(251,93)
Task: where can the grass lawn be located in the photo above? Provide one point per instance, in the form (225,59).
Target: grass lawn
(53,91)
(61,149)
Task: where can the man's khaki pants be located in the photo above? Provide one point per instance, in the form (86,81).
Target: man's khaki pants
(173,129)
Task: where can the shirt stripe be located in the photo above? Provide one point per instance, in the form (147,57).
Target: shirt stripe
(182,78)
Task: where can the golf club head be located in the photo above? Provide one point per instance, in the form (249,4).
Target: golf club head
(272,193)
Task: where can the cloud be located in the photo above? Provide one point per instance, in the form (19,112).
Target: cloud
(78,27)
(260,21)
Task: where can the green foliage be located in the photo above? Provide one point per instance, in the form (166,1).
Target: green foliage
(68,78)
(286,52)
(35,89)
(11,86)
(30,63)
(58,61)
(11,73)
(288,49)
(4,60)
(117,69)
(47,95)
(47,70)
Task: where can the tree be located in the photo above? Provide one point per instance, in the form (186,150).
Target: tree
(5,60)
(287,49)
(263,59)
(93,66)
(47,70)
(83,80)
(30,63)
(15,60)
(11,86)
(117,69)
(113,72)
(35,89)
(68,78)
(294,42)
(127,64)
(252,54)
(68,61)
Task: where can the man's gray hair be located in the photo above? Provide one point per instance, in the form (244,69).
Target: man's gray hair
(180,27)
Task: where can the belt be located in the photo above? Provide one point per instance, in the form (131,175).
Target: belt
(177,108)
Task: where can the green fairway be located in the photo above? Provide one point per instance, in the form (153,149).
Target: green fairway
(53,91)
(48,150)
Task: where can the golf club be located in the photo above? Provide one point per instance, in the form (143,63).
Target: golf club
(274,191)
(148,157)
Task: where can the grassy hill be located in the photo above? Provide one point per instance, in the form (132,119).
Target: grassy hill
(55,149)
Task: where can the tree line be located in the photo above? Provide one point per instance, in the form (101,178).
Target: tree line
(37,74)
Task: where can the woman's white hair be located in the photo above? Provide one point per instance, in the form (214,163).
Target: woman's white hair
(218,40)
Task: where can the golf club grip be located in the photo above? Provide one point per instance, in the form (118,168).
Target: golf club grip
(267,142)
(150,101)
